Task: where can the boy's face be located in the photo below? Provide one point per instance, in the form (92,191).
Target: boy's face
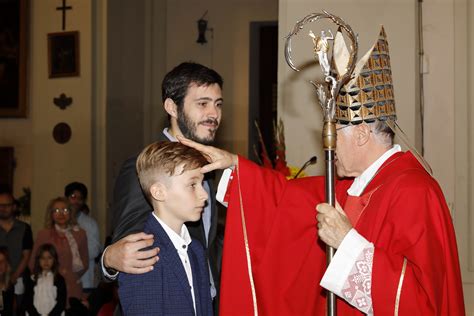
(184,196)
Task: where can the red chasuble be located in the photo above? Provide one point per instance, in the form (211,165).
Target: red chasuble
(402,212)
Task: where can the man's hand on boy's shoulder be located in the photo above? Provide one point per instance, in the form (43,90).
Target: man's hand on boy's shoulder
(125,255)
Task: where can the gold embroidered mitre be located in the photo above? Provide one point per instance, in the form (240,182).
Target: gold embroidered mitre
(368,96)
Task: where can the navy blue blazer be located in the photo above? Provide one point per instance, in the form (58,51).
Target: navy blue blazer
(130,210)
(165,290)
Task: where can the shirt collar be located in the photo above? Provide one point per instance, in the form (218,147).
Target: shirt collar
(180,241)
(168,135)
(363,180)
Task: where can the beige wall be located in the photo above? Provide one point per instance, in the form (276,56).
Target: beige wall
(439,71)
(54,165)
(461,42)
(98,188)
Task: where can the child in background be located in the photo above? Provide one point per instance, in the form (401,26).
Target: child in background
(6,289)
(46,291)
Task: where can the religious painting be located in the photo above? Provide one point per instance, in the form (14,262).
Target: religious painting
(13,52)
(63,54)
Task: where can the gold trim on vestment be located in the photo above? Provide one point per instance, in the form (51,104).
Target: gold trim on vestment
(400,283)
(247,249)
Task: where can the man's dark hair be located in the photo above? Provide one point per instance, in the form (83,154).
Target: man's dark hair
(75,186)
(177,81)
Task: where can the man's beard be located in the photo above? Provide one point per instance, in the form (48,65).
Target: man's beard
(188,128)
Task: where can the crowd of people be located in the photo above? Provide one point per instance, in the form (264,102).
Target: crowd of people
(56,272)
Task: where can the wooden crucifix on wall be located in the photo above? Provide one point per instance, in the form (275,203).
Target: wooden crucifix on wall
(64,8)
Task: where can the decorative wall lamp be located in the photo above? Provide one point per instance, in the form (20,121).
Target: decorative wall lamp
(202,28)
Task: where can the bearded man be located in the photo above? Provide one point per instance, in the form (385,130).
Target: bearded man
(192,97)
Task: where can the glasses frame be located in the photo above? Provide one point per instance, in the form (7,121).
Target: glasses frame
(61,210)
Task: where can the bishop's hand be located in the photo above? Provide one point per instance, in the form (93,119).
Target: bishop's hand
(218,158)
(333,224)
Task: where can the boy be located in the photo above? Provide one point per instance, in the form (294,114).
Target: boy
(171,180)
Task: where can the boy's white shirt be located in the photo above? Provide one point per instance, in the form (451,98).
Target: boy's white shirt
(181,243)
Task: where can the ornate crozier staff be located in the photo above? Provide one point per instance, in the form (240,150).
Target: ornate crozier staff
(328,101)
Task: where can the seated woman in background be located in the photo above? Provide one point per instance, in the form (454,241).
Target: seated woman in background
(46,291)
(70,241)
(6,289)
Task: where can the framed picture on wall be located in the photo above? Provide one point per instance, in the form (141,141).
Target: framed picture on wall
(7,165)
(63,54)
(13,52)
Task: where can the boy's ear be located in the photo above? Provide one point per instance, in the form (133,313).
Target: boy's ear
(171,108)
(158,191)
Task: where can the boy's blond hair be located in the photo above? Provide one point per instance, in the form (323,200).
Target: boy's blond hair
(165,157)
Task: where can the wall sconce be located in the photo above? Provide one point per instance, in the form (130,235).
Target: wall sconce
(202,28)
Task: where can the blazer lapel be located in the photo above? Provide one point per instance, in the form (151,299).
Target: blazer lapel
(170,256)
(213,228)
(197,279)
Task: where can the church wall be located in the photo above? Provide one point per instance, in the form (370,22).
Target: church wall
(98,196)
(227,51)
(53,164)
(460,45)
(125,84)
(439,71)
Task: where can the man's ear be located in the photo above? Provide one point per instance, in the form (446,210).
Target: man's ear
(171,108)
(158,191)
(362,134)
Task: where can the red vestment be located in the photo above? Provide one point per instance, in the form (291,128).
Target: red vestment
(405,216)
